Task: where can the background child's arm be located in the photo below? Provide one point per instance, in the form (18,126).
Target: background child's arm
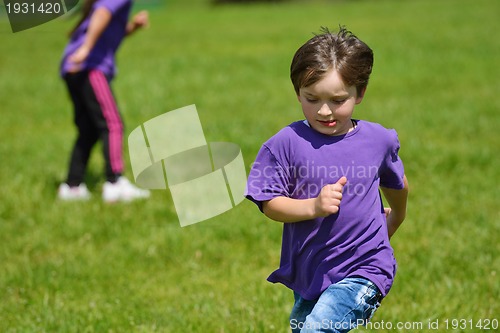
(140,20)
(98,23)
(288,210)
(397,202)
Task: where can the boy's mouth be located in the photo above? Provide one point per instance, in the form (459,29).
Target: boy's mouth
(328,123)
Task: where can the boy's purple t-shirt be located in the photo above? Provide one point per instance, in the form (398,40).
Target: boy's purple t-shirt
(102,56)
(297,162)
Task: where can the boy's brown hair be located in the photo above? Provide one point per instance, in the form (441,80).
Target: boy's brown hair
(343,51)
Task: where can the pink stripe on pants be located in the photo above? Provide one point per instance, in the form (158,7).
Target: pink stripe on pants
(109,109)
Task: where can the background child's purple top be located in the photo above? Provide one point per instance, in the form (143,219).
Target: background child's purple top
(297,162)
(102,56)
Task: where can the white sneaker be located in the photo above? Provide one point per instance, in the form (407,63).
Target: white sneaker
(73,193)
(122,190)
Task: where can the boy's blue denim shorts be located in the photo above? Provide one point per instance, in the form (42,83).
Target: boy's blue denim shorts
(341,307)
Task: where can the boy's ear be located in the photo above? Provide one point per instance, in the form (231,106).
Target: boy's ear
(360,96)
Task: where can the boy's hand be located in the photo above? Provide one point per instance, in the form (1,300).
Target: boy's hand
(140,20)
(328,200)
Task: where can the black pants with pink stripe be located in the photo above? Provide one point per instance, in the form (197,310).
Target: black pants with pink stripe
(97,117)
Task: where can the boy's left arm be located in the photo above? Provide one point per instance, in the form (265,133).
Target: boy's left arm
(397,202)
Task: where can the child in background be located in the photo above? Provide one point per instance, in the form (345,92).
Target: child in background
(88,66)
(321,178)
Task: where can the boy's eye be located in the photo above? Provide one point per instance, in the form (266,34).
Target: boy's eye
(339,101)
(334,101)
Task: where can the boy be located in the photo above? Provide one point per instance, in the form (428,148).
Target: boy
(321,178)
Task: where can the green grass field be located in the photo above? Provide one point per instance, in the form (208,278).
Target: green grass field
(92,267)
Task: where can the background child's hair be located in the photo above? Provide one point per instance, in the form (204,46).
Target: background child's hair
(342,51)
(85,9)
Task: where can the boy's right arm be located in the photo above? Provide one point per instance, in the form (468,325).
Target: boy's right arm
(288,210)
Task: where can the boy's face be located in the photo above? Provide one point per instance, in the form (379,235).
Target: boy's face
(328,104)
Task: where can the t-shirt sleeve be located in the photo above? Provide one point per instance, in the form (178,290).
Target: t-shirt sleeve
(112,5)
(392,170)
(267,179)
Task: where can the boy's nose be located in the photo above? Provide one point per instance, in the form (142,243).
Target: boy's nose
(324,110)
